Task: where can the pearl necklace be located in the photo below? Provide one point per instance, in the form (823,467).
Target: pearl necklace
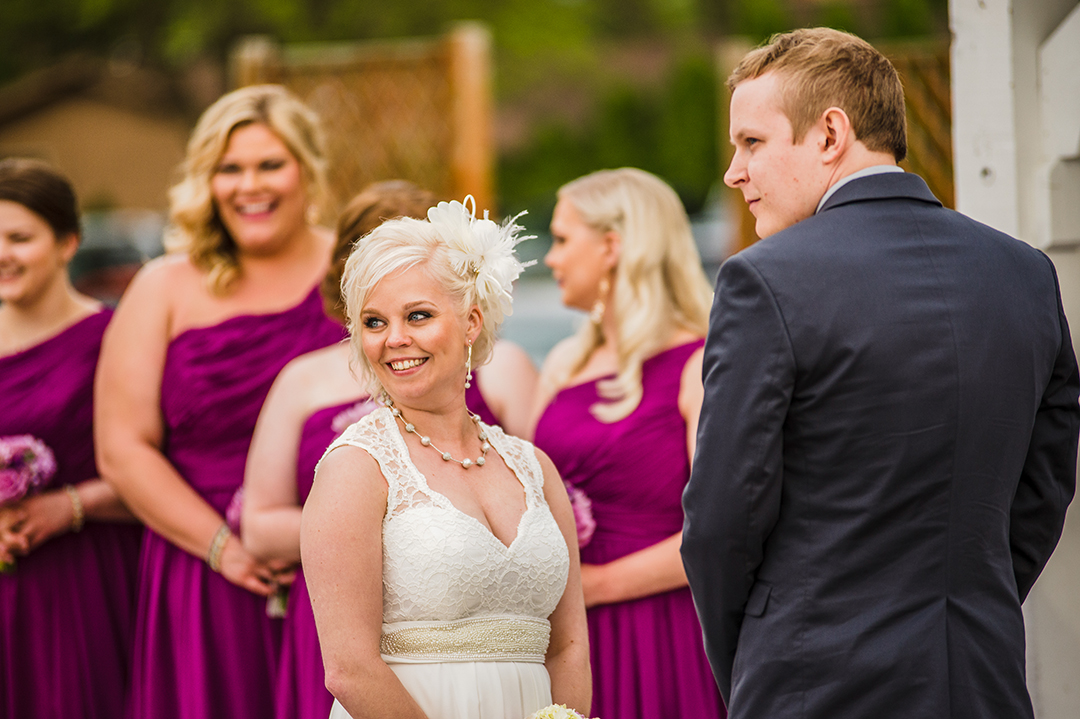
(426,441)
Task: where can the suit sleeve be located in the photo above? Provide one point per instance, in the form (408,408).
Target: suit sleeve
(733,498)
(1048,480)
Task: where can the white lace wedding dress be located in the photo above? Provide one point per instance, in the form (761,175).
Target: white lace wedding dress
(465,623)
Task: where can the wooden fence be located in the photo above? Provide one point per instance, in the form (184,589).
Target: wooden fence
(416,109)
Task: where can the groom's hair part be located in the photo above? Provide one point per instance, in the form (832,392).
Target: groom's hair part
(819,68)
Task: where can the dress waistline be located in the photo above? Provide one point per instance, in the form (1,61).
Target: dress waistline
(476,639)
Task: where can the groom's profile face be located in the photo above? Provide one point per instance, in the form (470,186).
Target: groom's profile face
(781,180)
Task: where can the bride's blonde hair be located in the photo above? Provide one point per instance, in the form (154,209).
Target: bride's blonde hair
(472,259)
(659,285)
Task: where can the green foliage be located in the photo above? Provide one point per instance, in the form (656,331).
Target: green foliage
(758,19)
(667,127)
(910,18)
(670,131)
(838,14)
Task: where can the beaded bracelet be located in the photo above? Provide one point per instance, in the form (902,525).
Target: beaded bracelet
(217,546)
(78,514)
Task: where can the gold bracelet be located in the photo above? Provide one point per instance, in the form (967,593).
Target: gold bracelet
(78,515)
(217,546)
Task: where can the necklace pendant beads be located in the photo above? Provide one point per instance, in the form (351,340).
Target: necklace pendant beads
(426,441)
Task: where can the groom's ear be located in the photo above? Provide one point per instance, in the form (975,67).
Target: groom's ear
(836,134)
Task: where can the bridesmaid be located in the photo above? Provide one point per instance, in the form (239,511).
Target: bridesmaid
(197,340)
(313,399)
(620,407)
(70,547)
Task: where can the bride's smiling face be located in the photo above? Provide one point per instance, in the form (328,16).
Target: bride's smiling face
(413,337)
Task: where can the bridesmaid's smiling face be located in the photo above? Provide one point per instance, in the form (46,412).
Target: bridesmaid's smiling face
(414,338)
(32,259)
(258,190)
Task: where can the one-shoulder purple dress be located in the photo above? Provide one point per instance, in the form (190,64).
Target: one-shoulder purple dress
(67,610)
(301,684)
(205,648)
(648,658)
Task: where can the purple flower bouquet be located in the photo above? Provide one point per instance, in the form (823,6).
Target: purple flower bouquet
(26,463)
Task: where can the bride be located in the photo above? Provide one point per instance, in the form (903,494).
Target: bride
(440,553)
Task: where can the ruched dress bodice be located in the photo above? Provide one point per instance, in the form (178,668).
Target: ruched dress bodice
(648,659)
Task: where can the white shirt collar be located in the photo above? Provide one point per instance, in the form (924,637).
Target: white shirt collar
(865,172)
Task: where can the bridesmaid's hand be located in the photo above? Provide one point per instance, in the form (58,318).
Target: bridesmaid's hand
(243,570)
(12,541)
(45,516)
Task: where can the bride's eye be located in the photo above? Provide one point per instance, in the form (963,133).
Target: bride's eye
(418,316)
(372,323)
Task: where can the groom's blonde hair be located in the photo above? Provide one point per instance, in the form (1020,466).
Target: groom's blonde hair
(821,68)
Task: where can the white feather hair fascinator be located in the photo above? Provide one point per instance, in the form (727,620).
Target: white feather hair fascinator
(482,249)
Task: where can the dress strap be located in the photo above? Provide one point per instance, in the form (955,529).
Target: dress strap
(520,456)
(372,433)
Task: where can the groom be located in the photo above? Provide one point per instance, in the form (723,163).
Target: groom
(888,438)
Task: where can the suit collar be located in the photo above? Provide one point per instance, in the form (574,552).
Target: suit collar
(887,186)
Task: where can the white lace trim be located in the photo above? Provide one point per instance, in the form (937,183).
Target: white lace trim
(440,564)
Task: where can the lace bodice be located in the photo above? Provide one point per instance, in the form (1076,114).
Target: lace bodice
(440,564)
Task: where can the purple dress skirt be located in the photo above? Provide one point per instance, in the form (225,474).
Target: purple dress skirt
(67,610)
(301,684)
(648,658)
(205,648)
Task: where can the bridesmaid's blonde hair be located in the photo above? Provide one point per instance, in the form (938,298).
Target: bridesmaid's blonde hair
(195,225)
(658,285)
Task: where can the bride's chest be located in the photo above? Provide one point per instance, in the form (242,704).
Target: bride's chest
(441,564)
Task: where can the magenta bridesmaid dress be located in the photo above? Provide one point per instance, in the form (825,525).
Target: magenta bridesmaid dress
(67,610)
(648,658)
(205,648)
(478,405)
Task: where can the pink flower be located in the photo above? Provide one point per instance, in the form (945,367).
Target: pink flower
(25,463)
(583,518)
(232,512)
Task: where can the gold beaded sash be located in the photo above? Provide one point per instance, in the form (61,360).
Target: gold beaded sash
(477,639)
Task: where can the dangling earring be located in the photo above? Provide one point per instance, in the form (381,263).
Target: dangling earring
(468,368)
(312,214)
(596,314)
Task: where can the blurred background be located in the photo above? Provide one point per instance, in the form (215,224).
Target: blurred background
(503,99)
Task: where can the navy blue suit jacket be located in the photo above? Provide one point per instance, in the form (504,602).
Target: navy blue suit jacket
(886,451)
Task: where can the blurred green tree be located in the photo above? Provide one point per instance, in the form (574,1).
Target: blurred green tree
(666,125)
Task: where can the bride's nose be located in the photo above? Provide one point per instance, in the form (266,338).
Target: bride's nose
(398,335)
